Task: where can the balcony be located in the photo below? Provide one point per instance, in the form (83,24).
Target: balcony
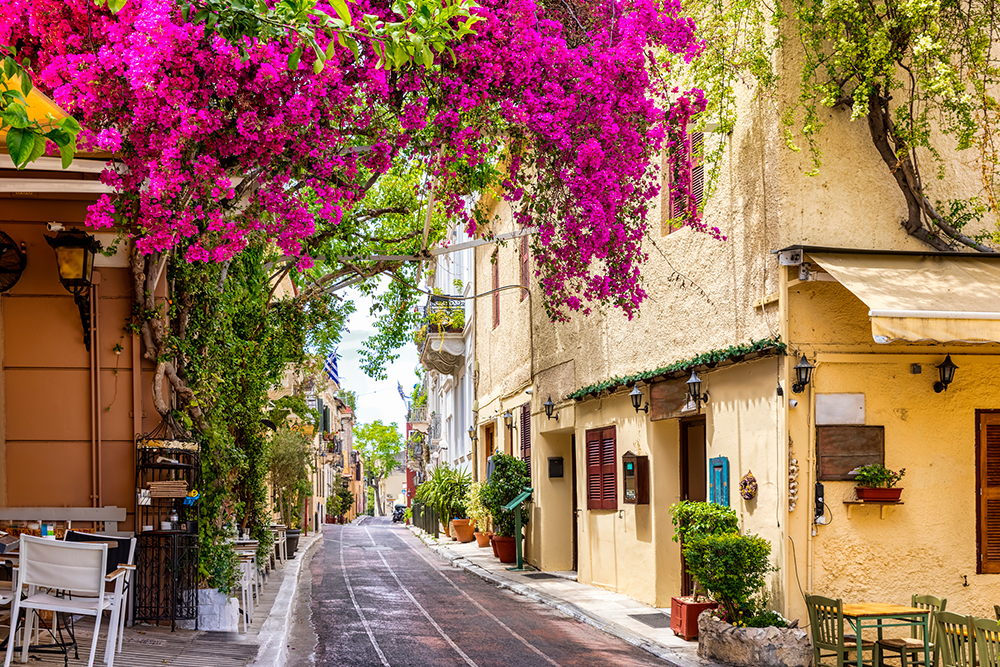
(417,414)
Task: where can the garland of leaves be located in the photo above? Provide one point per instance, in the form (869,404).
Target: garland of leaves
(767,345)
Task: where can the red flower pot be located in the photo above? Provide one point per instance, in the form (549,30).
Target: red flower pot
(684,614)
(506,549)
(493,543)
(890,495)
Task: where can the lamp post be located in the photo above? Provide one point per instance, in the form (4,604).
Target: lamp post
(75,260)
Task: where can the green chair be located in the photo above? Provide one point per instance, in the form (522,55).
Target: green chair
(954,640)
(826,623)
(988,642)
(914,644)
(996,610)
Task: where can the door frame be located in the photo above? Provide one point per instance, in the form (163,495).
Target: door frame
(576,503)
(687,581)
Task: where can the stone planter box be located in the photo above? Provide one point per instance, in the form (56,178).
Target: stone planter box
(752,647)
(216,612)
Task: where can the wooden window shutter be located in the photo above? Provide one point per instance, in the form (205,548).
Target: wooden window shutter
(609,470)
(526,435)
(718,481)
(496,285)
(697,168)
(989,492)
(525,257)
(594,469)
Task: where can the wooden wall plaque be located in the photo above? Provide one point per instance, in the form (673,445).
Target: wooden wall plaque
(841,449)
(667,399)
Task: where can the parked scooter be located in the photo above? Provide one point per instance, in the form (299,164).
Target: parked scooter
(398,513)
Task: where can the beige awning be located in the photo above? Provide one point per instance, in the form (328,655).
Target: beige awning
(923,297)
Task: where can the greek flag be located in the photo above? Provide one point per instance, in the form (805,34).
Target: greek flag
(402,394)
(330,367)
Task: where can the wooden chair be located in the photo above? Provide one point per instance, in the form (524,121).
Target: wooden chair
(996,611)
(914,644)
(987,642)
(826,624)
(955,640)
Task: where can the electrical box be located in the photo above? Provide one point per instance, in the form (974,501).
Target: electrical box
(555,466)
(635,477)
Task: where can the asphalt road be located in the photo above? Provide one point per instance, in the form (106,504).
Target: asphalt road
(379,598)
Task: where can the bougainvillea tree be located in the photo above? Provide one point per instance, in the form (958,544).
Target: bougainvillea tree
(226,141)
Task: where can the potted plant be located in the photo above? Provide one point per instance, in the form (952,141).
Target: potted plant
(477,512)
(692,520)
(445,491)
(458,490)
(510,477)
(877,483)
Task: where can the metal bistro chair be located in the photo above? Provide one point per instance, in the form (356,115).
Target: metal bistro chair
(125,554)
(49,569)
(956,639)
(915,642)
(826,624)
(987,642)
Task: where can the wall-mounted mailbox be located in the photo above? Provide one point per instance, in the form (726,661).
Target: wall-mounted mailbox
(555,466)
(636,478)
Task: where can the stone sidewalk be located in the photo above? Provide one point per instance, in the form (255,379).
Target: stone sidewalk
(613,613)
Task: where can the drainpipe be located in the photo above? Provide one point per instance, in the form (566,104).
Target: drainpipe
(94,382)
(95,336)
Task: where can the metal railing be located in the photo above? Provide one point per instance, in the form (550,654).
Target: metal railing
(425,518)
(417,415)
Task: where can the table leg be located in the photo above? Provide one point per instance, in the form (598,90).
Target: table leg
(927,640)
(856,625)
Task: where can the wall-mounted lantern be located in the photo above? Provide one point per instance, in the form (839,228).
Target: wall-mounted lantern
(75,260)
(472,433)
(694,390)
(636,396)
(803,373)
(508,420)
(947,371)
(550,409)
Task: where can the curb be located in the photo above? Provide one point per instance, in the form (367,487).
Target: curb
(568,608)
(273,637)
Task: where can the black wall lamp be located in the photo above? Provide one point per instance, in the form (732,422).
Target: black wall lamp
(472,434)
(694,390)
(508,420)
(947,371)
(550,409)
(636,396)
(803,373)
(75,260)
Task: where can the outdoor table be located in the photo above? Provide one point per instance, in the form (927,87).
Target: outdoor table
(873,615)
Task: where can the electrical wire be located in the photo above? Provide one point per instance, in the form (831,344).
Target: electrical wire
(795,563)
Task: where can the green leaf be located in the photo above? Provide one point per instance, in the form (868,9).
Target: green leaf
(38,149)
(293,59)
(317,66)
(353,46)
(69,124)
(15,115)
(340,6)
(428,56)
(25,83)
(9,67)
(20,143)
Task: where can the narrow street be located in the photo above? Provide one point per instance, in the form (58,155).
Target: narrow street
(380,598)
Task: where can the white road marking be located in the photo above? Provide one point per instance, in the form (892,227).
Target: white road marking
(469,661)
(357,607)
(486,611)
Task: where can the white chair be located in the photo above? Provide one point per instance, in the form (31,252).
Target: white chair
(77,569)
(126,560)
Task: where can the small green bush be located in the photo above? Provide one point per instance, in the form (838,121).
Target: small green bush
(510,476)
(877,476)
(696,519)
(732,568)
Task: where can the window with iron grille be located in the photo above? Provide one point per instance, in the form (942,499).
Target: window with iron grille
(602,469)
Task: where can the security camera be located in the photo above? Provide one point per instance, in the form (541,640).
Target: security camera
(54,226)
(792,402)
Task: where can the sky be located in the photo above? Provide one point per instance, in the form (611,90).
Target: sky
(376,399)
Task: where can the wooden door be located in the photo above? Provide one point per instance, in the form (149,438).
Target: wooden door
(694,477)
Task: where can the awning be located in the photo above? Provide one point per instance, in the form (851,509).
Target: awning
(923,297)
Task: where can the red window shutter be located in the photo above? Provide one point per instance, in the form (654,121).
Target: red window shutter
(609,469)
(697,168)
(525,257)
(594,469)
(496,285)
(989,493)
(526,435)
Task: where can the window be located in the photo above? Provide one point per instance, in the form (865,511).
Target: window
(526,435)
(602,467)
(495,260)
(672,208)
(988,469)
(525,259)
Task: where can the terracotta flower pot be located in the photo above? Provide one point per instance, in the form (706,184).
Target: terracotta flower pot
(482,539)
(684,614)
(505,548)
(890,495)
(462,528)
(493,543)
(446,528)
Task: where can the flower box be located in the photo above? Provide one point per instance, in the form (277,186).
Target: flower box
(684,614)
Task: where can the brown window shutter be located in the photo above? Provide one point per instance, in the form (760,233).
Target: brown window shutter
(609,470)
(697,168)
(594,469)
(989,492)
(496,285)
(526,434)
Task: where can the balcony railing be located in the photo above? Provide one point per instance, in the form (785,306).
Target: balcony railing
(443,315)
(417,414)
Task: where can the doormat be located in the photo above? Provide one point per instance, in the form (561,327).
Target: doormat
(655,620)
(541,575)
